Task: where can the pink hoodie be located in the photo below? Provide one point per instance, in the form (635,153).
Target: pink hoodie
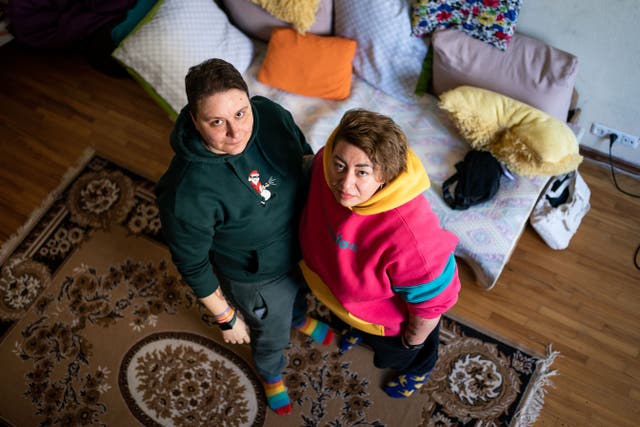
(373,265)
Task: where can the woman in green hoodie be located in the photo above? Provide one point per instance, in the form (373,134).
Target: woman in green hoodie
(229,204)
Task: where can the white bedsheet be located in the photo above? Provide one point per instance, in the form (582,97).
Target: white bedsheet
(488,232)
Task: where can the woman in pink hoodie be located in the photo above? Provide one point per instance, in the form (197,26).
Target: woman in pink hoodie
(373,250)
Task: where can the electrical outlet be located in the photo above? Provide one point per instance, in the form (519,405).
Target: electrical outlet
(623,138)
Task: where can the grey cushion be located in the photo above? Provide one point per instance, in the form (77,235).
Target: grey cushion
(529,70)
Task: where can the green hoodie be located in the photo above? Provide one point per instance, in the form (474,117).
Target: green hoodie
(212,215)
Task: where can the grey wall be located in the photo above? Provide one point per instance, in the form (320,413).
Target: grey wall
(604,35)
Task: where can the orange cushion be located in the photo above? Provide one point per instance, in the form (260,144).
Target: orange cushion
(309,64)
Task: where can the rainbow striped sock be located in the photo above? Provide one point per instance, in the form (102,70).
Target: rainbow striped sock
(319,331)
(277,397)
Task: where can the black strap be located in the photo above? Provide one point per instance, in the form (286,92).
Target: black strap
(446,193)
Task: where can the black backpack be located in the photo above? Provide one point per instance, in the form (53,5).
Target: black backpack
(478,178)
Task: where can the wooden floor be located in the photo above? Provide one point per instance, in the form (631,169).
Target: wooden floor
(584,300)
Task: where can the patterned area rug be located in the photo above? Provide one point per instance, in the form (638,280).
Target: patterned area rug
(98,329)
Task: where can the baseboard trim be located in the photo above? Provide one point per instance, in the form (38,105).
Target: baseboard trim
(618,163)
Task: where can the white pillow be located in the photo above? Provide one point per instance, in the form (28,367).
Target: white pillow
(388,57)
(175,35)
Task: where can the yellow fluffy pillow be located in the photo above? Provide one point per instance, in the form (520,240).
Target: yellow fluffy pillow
(299,13)
(527,140)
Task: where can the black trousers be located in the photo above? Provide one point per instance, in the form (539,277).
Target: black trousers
(389,353)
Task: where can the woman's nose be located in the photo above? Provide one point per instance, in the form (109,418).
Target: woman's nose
(347,181)
(231,132)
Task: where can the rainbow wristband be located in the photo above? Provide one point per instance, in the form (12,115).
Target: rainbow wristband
(227,317)
(223,314)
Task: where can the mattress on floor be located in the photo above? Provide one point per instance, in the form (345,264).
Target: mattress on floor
(488,232)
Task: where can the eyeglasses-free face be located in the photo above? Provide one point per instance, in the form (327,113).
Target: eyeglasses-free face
(225,121)
(352,175)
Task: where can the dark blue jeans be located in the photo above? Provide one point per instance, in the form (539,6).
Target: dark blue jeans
(269,308)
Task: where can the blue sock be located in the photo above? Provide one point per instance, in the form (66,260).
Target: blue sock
(405,385)
(350,337)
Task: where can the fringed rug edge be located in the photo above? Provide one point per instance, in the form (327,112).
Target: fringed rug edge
(16,238)
(533,398)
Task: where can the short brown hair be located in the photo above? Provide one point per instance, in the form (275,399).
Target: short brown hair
(379,137)
(210,77)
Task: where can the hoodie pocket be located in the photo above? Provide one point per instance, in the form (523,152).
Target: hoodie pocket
(275,258)
(235,263)
(278,257)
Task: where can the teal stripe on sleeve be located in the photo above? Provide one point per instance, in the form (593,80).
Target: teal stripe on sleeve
(426,291)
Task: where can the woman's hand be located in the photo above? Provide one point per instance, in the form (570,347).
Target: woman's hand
(417,330)
(239,334)
(217,305)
